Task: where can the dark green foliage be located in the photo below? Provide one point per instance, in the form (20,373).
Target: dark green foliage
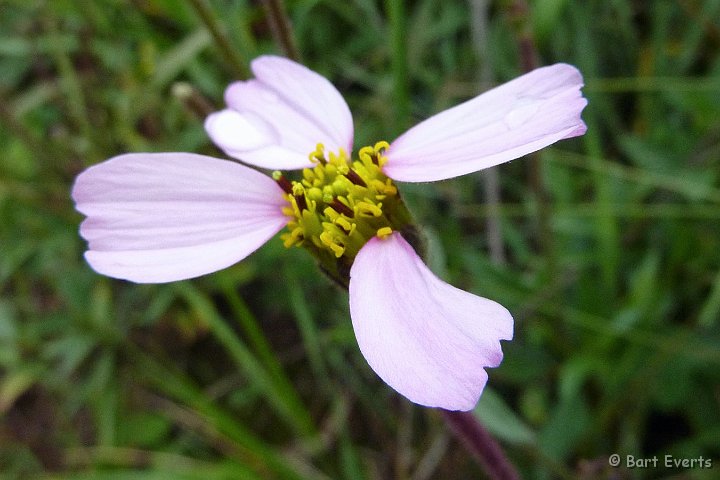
(612,269)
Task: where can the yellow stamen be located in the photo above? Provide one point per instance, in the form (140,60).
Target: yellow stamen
(368,209)
(327,239)
(384,232)
(339,204)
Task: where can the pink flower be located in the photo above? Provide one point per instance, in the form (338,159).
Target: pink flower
(163,217)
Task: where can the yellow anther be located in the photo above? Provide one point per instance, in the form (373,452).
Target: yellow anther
(318,176)
(345,224)
(331,213)
(295,237)
(318,155)
(379,149)
(366,209)
(339,159)
(311,204)
(381,146)
(298,189)
(327,239)
(294,206)
(365,154)
(308,175)
(384,232)
(340,203)
(337,250)
(386,188)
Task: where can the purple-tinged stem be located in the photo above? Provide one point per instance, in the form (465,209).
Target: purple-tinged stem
(480,443)
(490,177)
(529,60)
(281,28)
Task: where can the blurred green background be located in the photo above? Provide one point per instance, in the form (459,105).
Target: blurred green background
(606,248)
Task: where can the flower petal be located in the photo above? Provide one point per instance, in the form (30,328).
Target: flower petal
(425,338)
(161,217)
(290,107)
(507,122)
(248,137)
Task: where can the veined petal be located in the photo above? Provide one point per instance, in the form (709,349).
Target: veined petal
(161,217)
(300,107)
(425,338)
(507,122)
(248,137)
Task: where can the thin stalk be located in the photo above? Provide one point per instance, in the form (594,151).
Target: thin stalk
(490,177)
(398,35)
(491,183)
(236,62)
(520,15)
(480,443)
(281,27)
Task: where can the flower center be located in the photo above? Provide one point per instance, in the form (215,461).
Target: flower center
(340,204)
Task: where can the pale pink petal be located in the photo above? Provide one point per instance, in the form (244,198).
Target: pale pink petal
(289,108)
(507,122)
(425,338)
(248,137)
(161,217)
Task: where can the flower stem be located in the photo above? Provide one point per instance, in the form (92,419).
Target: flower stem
(520,15)
(480,443)
(281,28)
(398,44)
(216,30)
(480,10)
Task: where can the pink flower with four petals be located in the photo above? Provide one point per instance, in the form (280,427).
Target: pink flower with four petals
(162,217)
